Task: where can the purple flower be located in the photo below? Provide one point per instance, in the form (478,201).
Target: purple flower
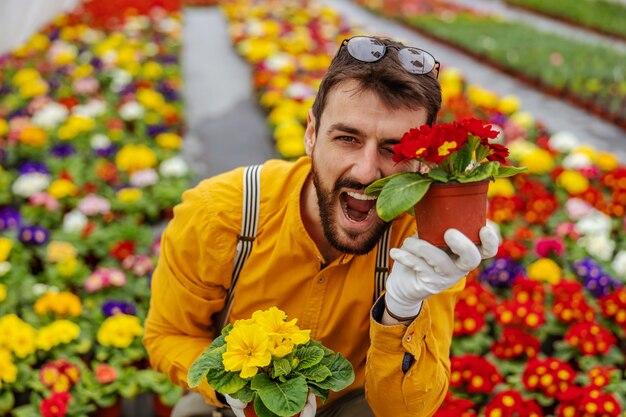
(96,63)
(168,92)
(9,218)
(106,152)
(596,281)
(154,130)
(113,307)
(32,166)
(587,268)
(168,59)
(62,150)
(33,235)
(501,272)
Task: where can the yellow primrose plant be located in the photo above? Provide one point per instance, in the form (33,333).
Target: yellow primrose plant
(268,361)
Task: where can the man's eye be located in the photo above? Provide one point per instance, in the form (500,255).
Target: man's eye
(388,151)
(348,139)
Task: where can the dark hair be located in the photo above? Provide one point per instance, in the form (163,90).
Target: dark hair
(387,78)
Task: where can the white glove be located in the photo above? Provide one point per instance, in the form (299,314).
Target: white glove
(238,407)
(421,269)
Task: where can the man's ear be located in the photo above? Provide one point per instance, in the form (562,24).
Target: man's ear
(309,133)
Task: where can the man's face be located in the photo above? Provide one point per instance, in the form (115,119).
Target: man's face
(352,149)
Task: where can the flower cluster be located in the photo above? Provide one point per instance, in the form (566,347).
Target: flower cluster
(59,375)
(552,377)
(474,373)
(119,330)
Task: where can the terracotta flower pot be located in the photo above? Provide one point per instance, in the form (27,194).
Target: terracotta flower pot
(452,205)
(114,410)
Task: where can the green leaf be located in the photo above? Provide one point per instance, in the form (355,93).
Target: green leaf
(308,357)
(507,171)
(245,394)
(342,374)
(225,331)
(6,401)
(261,410)
(321,393)
(400,194)
(211,358)
(462,159)
(377,186)
(317,373)
(281,367)
(438,174)
(284,399)
(224,381)
(482,172)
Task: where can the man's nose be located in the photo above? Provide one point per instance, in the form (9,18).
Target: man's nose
(367,168)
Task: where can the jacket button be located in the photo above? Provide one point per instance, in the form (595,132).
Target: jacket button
(321,280)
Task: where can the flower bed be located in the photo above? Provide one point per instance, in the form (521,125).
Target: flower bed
(606,17)
(90,127)
(540,330)
(586,75)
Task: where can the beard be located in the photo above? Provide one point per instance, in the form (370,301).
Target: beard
(356,243)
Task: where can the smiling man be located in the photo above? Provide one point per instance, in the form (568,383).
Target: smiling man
(320,251)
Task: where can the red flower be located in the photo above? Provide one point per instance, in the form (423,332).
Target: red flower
(600,376)
(56,405)
(552,377)
(474,373)
(590,338)
(105,374)
(510,403)
(123,249)
(516,343)
(497,153)
(548,246)
(455,407)
(511,249)
(479,129)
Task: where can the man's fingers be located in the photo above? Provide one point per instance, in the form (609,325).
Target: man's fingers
(489,242)
(469,256)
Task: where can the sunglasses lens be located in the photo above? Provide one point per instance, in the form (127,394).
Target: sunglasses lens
(366,49)
(416,61)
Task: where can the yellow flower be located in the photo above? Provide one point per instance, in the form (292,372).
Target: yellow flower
(288,136)
(283,334)
(67,267)
(58,251)
(8,370)
(451,83)
(4,127)
(3,292)
(285,111)
(538,162)
(523,119)
(169,140)
(37,87)
(62,188)
(133,158)
(119,331)
(152,70)
(6,245)
(501,187)
(606,161)
(269,99)
(545,269)
(61,304)
(573,181)
(82,71)
(150,99)
(508,104)
(39,42)
(24,341)
(34,136)
(481,97)
(74,126)
(587,150)
(247,349)
(129,195)
(25,76)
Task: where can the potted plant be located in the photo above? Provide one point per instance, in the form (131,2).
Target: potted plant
(284,366)
(450,165)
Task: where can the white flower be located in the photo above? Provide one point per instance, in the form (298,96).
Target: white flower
(144,178)
(74,221)
(40,289)
(120,79)
(93,108)
(93,204)
(564,142)
(4,268)
(577,160)
(31,183)
(598,245)
(279,61)
(299,91)
(595,223)
(131,111)
(100,141)
(51,115)
(91,36)
(619,264)
(169,25)
(577,209)
(174,167)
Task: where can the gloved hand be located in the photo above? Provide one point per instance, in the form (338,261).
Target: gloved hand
(421,269)
(238,407)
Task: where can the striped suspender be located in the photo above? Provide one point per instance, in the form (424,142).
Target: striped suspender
(382,264)
(249,223)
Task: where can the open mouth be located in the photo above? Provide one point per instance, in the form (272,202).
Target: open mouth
(357,206)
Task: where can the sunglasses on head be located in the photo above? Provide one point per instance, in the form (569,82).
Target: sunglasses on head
(368,49)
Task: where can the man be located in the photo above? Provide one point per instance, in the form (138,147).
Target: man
(314,254)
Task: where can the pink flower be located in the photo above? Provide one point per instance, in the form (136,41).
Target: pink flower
(568,229)
(549,246)
(87,85)
(105,374)
(93,204)
(577,208)
(44,199)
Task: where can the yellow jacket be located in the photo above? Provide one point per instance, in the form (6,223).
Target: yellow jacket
(284,270)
